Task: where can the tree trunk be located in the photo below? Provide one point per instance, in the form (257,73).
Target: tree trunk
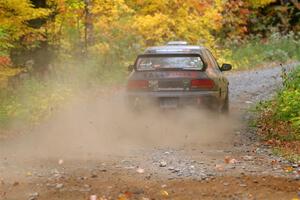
(88,25)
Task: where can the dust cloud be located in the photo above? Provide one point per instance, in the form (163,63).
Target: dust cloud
(97,126)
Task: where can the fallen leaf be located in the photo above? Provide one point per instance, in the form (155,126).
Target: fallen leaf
(219,167)
(164,193)
(274,162)
(122,197)
(227,159)
(128,194)
(60,162)
(140,170)
(289,169)
(16,183)
(93,197)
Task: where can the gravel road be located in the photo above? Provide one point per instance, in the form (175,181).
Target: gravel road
(232,166)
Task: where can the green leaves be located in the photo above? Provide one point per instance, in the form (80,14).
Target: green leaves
(288,106)
(279,121)
(287,102)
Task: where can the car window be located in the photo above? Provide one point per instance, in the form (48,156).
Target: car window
(169,62)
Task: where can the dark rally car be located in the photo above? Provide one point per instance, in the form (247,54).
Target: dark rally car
(178,75)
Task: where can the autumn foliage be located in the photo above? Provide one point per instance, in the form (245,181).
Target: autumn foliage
(73,26)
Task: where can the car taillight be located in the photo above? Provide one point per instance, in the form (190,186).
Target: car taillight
(202,84)
(137,84)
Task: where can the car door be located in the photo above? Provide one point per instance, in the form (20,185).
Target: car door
(214,66)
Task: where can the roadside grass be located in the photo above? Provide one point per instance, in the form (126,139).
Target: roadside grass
(279,120)
(257,52)
(31,102)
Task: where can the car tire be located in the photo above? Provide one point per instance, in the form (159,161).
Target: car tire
(225,108)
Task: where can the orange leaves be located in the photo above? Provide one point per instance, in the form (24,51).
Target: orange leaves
(200,6)
(235,18)
(244,11)
(5,61)
(229,160)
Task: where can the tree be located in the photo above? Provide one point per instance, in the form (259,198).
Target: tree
(191,20)
(14,18)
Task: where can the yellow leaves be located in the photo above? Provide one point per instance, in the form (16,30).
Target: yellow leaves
(110,10)
(149,22)
(7,71)
(260,3)
(101,48)
(160,20)
(154,29)
(39,13)
(145,7)
(14,15)
(107,15)
(12,11)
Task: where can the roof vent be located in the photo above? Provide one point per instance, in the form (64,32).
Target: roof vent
(177,43)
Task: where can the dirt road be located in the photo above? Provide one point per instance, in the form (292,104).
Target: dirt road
(99,149)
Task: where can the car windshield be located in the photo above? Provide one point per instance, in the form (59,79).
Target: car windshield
(185,62)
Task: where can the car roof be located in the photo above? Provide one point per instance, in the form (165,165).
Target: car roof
(174,49)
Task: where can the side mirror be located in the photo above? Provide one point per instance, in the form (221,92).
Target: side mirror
(226,67)
(130,68)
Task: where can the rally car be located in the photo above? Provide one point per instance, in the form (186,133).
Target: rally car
(178,75)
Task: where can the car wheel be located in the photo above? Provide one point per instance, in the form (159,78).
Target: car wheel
(225,108)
